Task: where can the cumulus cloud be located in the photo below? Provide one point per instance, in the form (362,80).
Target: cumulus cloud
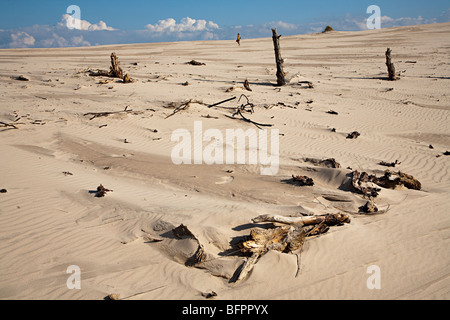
(185,25)
(78,41)
(68,21)
(21,40)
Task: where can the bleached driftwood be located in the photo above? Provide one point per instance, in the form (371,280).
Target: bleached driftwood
(248,266)
(329,219)
(287,238)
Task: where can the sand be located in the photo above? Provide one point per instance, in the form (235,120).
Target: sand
(53,161)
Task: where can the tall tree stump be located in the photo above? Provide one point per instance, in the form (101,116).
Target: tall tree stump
(390,66)
(281,81)
(116,70)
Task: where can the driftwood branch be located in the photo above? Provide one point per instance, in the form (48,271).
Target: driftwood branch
(329,219)
(247,267)
(288,238)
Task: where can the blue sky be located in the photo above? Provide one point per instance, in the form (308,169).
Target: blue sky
(31,23)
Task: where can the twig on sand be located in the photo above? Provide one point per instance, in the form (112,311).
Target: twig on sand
(258,125)
(243,107)
(105,114)
(184,106)
(221,102)
(6,125)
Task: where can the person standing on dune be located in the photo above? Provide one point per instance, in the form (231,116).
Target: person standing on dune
(238,40)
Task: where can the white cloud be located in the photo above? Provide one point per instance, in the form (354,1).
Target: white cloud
(186,25)
(78,41)
(21,40)
(67,21)
(55,41)
(284,25)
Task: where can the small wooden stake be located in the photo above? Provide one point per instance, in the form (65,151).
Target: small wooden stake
(281,81)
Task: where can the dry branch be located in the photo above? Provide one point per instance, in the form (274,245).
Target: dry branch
(329,219)
(184,106)
(221,102)
(6,125)
(258,125)
(108,113)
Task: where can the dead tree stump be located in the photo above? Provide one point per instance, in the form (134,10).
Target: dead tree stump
(281,81)
(116,70)
(390,66)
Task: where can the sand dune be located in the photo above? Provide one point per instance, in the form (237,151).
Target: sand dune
(56,155)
